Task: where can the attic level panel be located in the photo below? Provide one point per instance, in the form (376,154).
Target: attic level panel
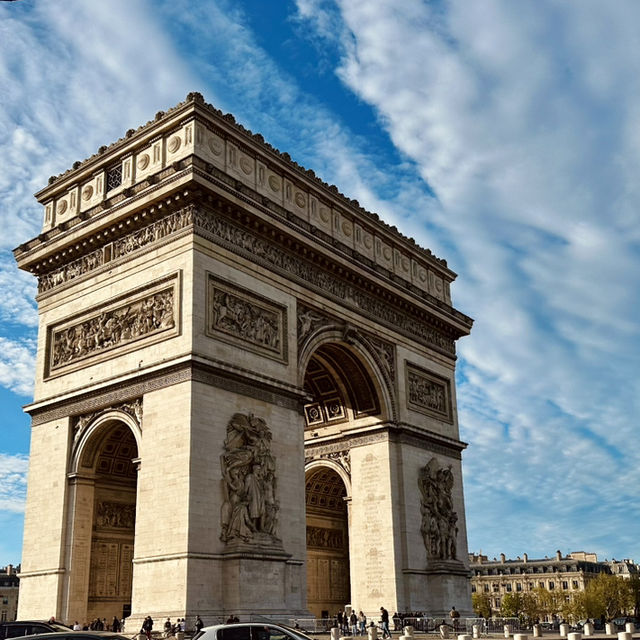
(193,136)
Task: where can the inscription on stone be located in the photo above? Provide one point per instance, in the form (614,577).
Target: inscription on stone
(375,557)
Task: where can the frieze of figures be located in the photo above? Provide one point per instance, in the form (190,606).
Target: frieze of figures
(240,314)
(259,248)
(325,538)
(121,247)
(113,328)
(115,515)
(428,393)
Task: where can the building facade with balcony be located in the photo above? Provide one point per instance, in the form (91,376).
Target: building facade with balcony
(565,574)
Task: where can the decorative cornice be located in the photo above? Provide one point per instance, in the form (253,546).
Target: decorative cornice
(221,375)
(227,122)
(401,433)
(343,286)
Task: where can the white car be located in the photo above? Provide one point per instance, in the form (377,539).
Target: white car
(250,631)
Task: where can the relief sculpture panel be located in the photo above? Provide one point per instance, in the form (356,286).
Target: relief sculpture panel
(147,314)
(239,316)
(428,393)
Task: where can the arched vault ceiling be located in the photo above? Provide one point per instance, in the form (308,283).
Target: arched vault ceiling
(341,387)
(325,491)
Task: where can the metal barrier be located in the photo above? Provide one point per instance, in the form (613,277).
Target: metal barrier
(421,624)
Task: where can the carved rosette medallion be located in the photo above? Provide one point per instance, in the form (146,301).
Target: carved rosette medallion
(242,317)
(145,315)
(428,393)
(439,521)
(250,509)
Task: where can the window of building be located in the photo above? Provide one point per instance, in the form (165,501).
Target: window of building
(551,585)
(486,588)
(473,588)
(496,588)
(518,587)
(114,177)
(3,616)
(541,584)
(575,584)
(497,603)
(565,584)
(5,600)
(509,587)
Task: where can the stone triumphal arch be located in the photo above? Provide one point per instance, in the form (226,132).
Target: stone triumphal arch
(244,396)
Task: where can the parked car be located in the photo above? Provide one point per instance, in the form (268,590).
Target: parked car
(19,628)
(69,634)
(250,631)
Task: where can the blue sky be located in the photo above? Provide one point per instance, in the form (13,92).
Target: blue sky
(502,135)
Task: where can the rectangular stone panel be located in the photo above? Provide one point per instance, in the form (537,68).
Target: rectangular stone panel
(130,321)
(244,318)
(428,393)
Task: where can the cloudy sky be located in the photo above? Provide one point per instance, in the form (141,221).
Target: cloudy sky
(503,135)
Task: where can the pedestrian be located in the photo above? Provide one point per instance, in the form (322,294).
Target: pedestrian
(147,626)
(362,622)
(115,625)
(454,615)
(77,626)
(167,627)
(353,623)
(199,624)
(384,621)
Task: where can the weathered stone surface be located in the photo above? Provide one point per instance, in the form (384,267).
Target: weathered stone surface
(244,380)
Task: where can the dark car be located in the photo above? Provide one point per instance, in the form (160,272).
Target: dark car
(19,628)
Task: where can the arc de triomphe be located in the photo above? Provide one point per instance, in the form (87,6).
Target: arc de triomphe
(244,397)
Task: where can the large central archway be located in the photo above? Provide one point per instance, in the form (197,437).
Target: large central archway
(344,395)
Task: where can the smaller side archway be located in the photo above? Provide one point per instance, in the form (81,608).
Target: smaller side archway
(327,496)
(101,516)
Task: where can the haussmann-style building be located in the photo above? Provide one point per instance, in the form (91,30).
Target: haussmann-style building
(244,396)
(566,575)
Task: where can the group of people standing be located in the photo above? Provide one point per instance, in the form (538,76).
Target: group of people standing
(100,624)
(355,624)
(170,628)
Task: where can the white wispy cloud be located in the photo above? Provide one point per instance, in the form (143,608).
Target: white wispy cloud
(13,482)
(17,364)
(504,112)
(80,76)
(509,115)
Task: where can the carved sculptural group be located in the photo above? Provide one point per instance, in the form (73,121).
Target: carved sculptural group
(249,509)
(439,520)
(113,328)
